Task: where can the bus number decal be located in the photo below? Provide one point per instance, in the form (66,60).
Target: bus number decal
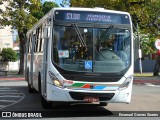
(72,16)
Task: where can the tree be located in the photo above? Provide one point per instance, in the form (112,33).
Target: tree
(8,55)
(17,14)
(144,12)
(21,15)
(46,7)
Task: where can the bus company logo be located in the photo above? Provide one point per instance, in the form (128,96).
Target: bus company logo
(69,82)
(92,86)
(63,53)
(6,114)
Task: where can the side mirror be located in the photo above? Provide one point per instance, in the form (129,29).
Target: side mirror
(46,32)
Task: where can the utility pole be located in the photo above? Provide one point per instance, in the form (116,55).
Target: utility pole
(139,51)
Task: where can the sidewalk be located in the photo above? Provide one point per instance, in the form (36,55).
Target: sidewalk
(12,75)
(146,78)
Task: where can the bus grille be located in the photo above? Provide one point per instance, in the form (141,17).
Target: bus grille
(92,78)
(82,95)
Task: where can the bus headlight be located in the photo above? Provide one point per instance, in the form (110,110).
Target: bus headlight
(126,83)
(55,80)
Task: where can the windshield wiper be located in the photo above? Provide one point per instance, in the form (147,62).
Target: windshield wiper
(107,32)
(79,35)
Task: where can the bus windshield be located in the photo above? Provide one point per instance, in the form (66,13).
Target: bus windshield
(92,49)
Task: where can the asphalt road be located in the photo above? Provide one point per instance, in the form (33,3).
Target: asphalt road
(144,98)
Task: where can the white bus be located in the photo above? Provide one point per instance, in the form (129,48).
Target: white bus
(81,55)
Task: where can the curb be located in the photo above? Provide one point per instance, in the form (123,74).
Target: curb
(12,78)
(146,81)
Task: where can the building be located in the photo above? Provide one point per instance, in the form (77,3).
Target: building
(6,38)
(6,35)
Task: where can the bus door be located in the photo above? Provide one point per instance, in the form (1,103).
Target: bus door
(31,60)
(45,59)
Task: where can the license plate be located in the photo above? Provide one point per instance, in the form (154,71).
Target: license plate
(91,99)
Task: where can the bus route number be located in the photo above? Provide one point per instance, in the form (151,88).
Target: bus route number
(72,16)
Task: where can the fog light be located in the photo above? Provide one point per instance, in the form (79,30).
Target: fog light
(57,83)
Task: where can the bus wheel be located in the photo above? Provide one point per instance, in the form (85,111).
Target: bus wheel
(103,103)
(30,89)
(45,104)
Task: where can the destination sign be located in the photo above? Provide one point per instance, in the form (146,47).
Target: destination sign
(89,16)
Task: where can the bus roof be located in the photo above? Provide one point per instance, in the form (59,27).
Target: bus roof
(96,9)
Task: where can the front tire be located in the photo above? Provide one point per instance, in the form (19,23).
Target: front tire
(45,104)
(30,89)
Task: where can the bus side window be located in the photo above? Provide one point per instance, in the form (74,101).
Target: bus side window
(30,44)
(35,40)
(39,40)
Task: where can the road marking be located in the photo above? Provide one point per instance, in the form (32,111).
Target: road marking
(10,97)
(7,100)
(8,90)
(1,106)
(10,93)
(5,88)
(152,85)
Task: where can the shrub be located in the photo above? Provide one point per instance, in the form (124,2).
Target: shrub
(8,55)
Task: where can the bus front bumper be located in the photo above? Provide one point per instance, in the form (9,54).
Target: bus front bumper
(71,95)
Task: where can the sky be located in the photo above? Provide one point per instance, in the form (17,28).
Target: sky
(56,1)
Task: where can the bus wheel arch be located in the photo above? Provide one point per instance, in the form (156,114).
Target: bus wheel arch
(45,104)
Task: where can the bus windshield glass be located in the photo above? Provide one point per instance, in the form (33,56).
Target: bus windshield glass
(92,49)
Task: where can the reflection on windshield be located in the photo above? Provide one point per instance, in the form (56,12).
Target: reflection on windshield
(91,49)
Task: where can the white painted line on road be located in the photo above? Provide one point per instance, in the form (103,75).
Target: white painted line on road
(2,106)
(19,94)
(8,90)
(8,101)
(150,84)
(5,88)
(9,96)
(10,93)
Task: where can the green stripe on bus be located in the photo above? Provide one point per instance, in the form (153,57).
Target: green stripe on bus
(78,84)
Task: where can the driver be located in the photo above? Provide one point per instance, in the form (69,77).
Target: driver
(109,43)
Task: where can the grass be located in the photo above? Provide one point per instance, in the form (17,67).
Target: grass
(143,75)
